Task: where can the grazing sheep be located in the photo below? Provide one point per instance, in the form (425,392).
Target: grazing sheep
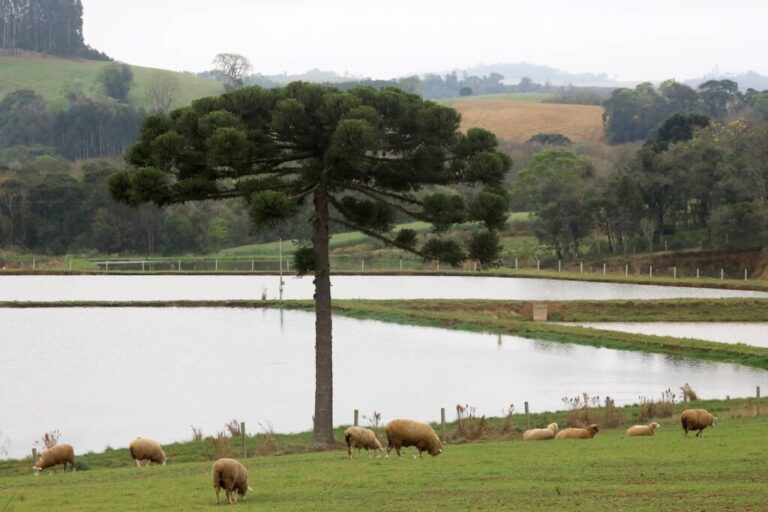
(146,450)
(359,437)
(541,434)
(697,419)
(412,433)
(643,430)
(578,433)
(233,477)
(59,454)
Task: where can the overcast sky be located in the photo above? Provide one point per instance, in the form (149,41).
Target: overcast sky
(641,39)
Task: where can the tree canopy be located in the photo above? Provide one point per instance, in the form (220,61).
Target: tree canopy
(362,156)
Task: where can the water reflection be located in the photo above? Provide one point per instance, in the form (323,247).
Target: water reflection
(103,376)
(132,288)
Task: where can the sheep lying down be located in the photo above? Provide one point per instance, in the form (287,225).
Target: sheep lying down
(642,430)
(541,434)
(578,433)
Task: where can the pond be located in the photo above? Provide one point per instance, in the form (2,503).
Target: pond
(104,376)
(755,334)
(244,287)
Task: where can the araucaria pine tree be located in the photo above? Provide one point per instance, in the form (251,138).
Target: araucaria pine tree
(360,156)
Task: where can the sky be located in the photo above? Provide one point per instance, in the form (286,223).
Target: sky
(638,40)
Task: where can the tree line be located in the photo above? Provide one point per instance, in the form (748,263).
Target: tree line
(46,26)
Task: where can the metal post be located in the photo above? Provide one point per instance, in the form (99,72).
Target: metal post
(442,423)
(559,265)
(242,432)
(605,268)
(650,272)
(280,288)
(527,418)
(674,272)
(581,267)
(698,273)
(746,274)
(758,400)
(722,274)
(357,422)
(516,265)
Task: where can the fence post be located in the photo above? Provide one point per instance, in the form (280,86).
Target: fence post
(674,272)
(401,263)
(527,418)
(758,400)
(650,272)
(106,264)
(438,265)
(34,455)
(538,264)
(357,418)
(605,268)
(217,265)
(722,274)
(746,274)
(179,267)
(34,264)
(516,266)
(626,270)
(442,423)
(362,265)
(581,267)
(698,273)
(142,265)
(253,265)
(559,265)
(242,432)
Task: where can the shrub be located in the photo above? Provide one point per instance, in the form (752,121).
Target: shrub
(506,428)
(580,410)
(269,444)
(469,426)
(664,408)
(233,427)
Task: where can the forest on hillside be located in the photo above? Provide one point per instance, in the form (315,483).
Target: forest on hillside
(46,26)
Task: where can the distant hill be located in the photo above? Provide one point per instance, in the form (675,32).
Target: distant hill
(53,77)
(513,73)
(748,80)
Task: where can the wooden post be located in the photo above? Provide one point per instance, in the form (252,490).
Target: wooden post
(442,424)
(581,267)
(34,264)
(538,264)
(242,432)
(605,268)
(70,265)
(698,273)
(357,420)
(217,265)
(179,267)
(401,263)
(626,270)
(527,418)
(650,272)
(106,263)
(758,400)
(722,274)
(142,266)
(362,265)
(674,272)
(559,265)
(253,265)
(516,265)
(746,274)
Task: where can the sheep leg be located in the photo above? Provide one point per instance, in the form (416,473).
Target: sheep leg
(218,499)
(138,463)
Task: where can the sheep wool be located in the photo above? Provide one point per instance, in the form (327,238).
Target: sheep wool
(697,419)
(146,450)
(233,477)
(541,434)
(359,437)
(643,430)
(406,433)
(578,433)
(59,454)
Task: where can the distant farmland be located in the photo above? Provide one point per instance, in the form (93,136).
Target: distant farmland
(517,120)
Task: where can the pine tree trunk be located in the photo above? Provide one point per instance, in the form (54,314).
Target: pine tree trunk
(323,436)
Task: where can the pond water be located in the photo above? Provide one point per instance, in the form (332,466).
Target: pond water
(244,287)
(104,376)
(755,334)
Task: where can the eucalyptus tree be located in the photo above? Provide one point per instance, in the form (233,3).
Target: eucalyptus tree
(362,157)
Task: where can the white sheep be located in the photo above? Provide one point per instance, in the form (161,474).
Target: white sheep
(643,430)
(233,477)
(402,433)
(697,419)
(59,454)
(359,437)
(146,450)
(578,433)
(541,434)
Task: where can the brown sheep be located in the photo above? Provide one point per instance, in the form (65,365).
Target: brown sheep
(578,433)
(146,450)
(697,419)
(402,433)
(359,437)
(541,434)
(643,430)
(59,454)
(233,477)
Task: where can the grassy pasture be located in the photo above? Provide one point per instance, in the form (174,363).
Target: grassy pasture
(52,77)
(514,119)
(724,470)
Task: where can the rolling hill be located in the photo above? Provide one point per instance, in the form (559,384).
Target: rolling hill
(52,77)
(516,118)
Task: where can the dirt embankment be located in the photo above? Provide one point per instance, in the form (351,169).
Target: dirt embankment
(709,263)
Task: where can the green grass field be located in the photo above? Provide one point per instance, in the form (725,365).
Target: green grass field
(52,77)
(725,470)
